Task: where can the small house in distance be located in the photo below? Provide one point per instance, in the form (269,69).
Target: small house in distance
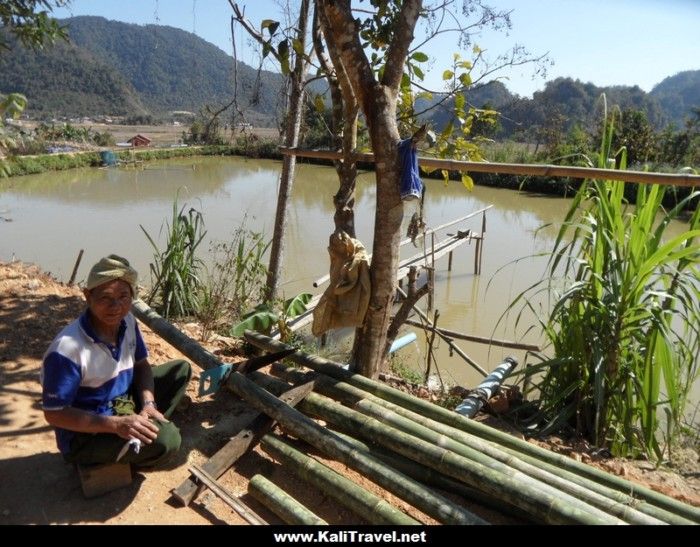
(139,140)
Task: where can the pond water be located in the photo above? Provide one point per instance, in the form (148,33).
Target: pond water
(54,215)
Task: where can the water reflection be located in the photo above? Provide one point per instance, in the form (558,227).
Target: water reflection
(54,215)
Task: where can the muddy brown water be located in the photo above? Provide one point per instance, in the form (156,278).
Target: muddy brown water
(48,218)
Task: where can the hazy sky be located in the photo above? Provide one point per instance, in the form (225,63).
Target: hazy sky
(606,42)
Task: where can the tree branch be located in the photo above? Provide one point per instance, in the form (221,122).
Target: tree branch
(412,298)
(403,36)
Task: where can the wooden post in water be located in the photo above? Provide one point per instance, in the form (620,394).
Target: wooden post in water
(75,268)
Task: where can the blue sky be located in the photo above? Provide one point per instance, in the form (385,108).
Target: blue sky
(606,42)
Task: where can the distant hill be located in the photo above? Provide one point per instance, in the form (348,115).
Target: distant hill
(160,68)
(114,68)
(66,81)
(574,102)
(678,95)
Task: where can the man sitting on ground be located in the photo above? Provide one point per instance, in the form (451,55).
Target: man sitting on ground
(99,390)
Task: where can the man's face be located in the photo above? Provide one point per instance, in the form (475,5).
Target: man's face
(110,302)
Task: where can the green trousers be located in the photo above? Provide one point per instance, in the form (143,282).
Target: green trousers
(169,381)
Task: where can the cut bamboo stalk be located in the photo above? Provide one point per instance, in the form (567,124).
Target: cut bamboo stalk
(447,417)
(491,456)
(532,496)
(280,503)
(615,502)
(168,332)
(320,438)
(473,338)
(521,169)
(431,477)
(370,507)
(233,502)
(247,438)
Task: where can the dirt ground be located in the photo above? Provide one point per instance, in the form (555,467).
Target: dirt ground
(38,487)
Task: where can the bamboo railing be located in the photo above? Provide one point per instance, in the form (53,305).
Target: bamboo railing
(668,179)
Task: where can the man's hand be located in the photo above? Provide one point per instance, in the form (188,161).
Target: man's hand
(136,426)
(150,411)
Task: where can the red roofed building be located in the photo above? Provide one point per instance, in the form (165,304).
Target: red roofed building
(139,140)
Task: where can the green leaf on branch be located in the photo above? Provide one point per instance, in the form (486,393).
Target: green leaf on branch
(419,56)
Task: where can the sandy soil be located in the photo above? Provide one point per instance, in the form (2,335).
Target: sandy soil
(37,487)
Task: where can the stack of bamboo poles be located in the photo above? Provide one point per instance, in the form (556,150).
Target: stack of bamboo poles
(546,486)
(417,451)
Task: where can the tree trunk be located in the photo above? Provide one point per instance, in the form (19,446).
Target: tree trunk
(344,125)
(294,111)
(378,102)
(370,345)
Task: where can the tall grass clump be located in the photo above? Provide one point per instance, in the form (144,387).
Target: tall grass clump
(235,280)
(624,327)
(176,269)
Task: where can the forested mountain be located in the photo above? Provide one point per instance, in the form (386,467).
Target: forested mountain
(66,80)
(678,95)
(114,68)
(565,102)
(162,68)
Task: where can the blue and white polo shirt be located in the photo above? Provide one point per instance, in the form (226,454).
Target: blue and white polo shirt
(81,371)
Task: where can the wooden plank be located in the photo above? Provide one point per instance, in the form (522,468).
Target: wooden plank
(232,501)
(246,439)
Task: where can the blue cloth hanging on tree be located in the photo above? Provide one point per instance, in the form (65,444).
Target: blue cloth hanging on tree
(411,185)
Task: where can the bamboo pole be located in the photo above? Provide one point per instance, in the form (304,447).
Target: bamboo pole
(168,332)
(447,417)
(369,506)
(234,503)
(523,169)
(430,477)
(514,487)
(238,445)
(280,503)
(623,505)
(473,338)
(320,438)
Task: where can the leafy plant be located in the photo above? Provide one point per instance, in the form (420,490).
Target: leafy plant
(11,106)
(625,323)
(234,281)
(264,317)
(175,271)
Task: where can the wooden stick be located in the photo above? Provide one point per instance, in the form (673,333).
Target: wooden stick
(681,179)
(450,342)
(233,502)
(474,338)
(75,268)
